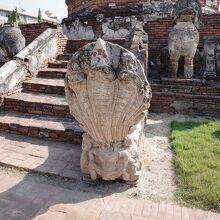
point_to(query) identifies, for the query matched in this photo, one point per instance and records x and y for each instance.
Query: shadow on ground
(30, 194)
(216, 134)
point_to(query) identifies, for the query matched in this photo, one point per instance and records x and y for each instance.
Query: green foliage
(39, 18)
(14, 17)
(197, 161)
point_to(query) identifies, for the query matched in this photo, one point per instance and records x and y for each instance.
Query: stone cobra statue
(184, 36)
(109, 95)
(11, 42)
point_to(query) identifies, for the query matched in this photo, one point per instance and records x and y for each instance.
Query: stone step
(37, 103)
(187, 82)
(58, 64)
(185, 103)
(56, 86)
(44, 127)
(45, 85)
(43, 156)
(205, 98)
(186, 89)
(64, 57)
(58, 73)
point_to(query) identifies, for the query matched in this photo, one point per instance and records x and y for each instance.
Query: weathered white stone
(11, 42)
(11, 74)
(108, 34)
(123, 32)
(184, 36)
(29, 60)
(108, 93)
(148, 11)
(183, 41)
(42, 49)
(77, 31)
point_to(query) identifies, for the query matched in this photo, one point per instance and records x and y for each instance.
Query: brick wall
(62, 41)
(77, 5)
(32, 31)
(186, 97)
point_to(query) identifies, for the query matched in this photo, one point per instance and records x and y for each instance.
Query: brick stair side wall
(32, 31)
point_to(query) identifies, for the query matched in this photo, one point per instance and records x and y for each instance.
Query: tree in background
(14, 17)
(39, 18)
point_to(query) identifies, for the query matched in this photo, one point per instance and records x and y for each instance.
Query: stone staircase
(37, 131)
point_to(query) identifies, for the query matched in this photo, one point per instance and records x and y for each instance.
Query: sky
(57, 7)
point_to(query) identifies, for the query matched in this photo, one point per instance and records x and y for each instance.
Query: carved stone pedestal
(108, 93)
(210, 56)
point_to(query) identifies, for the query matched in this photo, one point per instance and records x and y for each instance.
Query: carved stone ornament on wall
(109, 95)
(211, 57)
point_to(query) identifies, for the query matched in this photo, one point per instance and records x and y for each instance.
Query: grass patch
(197, 162)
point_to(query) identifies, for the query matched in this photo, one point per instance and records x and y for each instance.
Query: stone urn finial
(109, 95)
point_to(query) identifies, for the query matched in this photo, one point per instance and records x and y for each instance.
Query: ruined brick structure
(93, 19)
(77, 5)
(90, 19)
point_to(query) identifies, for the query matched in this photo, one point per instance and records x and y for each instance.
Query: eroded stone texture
(188, 10)
(108, 93)
(28, 61)
(211, 56)
(184, 36)
(137, 43)
(163, 61)
(11, 42)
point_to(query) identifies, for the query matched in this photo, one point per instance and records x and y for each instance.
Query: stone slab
(54, 158)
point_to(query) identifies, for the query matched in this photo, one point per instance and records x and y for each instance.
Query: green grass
(197, 162)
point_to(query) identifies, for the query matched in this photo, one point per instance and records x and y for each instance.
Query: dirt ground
(157, 183)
